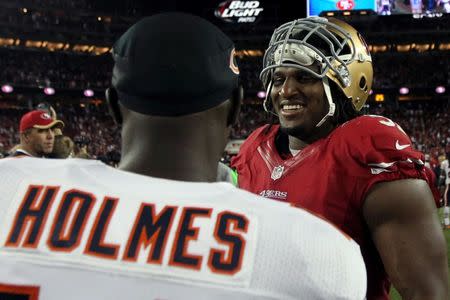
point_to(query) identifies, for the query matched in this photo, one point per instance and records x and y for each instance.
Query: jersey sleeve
(382, 151)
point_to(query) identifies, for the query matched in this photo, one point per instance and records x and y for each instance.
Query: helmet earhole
(363, 83)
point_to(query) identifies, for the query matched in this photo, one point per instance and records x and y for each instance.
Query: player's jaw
(299, 115)
(47, 147)
(293, 113)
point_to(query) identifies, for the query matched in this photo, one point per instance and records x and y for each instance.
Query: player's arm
(402, 218)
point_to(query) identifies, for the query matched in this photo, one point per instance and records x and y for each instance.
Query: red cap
(38, 119)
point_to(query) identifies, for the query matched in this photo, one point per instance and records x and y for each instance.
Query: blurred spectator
(36, 134)
(80, 149)
(64, 147)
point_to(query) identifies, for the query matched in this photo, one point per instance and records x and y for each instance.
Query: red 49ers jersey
(331, 177)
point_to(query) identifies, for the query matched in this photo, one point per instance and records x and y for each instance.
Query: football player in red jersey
(358, 171)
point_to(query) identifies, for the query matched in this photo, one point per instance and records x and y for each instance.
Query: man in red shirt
(358, 171)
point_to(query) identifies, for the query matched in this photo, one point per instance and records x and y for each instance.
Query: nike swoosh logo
(401, 147)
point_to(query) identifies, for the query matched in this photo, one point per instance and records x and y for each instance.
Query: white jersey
(446, 169)
(78, 229)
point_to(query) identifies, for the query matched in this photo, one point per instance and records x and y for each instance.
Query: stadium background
(57, 51)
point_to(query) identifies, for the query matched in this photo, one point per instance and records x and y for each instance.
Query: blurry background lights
(440, 89)
(261, 94)
(404, 90)
(49, 91)
(7, 89)
(88, 93)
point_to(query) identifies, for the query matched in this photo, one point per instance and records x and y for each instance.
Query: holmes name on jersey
(82, 226)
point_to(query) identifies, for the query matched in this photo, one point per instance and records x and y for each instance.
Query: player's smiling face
(299, 100)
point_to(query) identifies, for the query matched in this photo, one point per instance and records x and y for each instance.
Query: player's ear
(236, 101)
(113, 105)
(26, 135)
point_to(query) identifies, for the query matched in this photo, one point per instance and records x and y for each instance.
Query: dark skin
(186, 148)
(292, 86)
(401, 215)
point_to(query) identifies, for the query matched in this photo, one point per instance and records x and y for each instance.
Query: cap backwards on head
(173, 64)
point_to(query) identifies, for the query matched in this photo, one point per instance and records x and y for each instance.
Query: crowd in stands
(427, 123)
(399, 74)
(64, 70)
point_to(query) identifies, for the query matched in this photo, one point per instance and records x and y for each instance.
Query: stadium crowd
(41, 69)
(65, 70)
(428, 124)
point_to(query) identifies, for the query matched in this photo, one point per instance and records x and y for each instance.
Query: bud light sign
(236, 11)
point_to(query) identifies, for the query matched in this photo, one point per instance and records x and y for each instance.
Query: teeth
(292, 107)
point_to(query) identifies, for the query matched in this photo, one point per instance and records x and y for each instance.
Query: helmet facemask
(334, 45)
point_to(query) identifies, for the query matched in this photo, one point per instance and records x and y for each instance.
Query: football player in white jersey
(444, 179)
(78, 229)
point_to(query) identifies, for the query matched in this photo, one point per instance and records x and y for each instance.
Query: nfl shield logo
(277, 172)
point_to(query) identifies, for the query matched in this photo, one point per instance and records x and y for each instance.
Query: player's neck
(28, 150)
(186, 160)
(173, 166)
(298, 143)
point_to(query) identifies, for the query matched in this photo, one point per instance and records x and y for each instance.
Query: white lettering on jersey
(277, 195)
(79, 228)
(401, 147)
(388, 122)
(380, 167)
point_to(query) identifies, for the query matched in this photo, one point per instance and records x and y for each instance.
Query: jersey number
(18, 292)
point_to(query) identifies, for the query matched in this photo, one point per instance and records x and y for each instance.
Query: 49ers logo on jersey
(74, 223)
(272, 194)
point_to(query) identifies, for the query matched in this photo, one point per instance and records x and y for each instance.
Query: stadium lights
(444, 46)
(378, 48)
(249, 53)
(404, 48)
(379, 98)
(7, 89)
(403, 90)
(440, 89)
(261, 94)
(88, 93)
(49, 91)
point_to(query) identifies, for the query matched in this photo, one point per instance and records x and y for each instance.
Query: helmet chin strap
(266, 100)
(331, 104)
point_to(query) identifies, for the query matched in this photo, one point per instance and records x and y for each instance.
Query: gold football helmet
(339, 49)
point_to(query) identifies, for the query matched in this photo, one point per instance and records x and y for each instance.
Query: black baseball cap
(173, 64)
